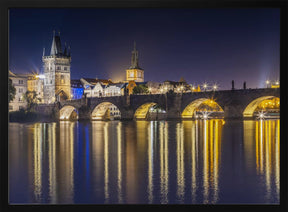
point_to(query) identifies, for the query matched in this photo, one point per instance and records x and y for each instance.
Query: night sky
(200, 45)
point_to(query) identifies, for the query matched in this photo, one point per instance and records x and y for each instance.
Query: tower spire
(56, 45)
(134, 58)
(65, 50)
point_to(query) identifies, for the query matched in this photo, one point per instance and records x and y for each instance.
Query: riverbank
(26, 116)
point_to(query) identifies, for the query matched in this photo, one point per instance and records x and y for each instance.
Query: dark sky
(201, 45)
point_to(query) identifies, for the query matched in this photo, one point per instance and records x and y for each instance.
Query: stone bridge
(234, 103)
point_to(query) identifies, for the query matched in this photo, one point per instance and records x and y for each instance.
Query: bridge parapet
(233, 102)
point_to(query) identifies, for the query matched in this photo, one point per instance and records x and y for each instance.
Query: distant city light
(261, 115)
(40, 76)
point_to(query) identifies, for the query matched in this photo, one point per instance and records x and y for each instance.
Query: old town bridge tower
(57, 72)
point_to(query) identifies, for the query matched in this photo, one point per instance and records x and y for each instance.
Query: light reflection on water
(159, 162)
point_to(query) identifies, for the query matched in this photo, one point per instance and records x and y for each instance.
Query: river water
(143, 162)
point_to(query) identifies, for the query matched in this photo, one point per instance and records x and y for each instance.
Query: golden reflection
(98, 153)
(119, 156)
(66, 161)
(216, 160)
(150, 161)
(37, 153)
(267, 152)
(106, 163)
(163, 137)
(180, 162)
(131, 163)
(277, 156)
(211, 157)
(194, 157)
(205, 163)
(52, 163)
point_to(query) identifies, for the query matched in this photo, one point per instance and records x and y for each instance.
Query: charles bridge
(235, 103)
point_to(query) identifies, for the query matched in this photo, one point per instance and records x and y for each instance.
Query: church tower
(57, 72)
(135, 73)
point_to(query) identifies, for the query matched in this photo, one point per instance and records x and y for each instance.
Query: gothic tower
(134, 72)
(57, 72)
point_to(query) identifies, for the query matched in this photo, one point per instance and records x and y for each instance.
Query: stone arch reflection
(198, 106)
(203, 139)
(267, 151)
(211, 158)
(65, 169)
(164, 165)
(42, 133)
(106, 111)
(270, 104)
(68, 113)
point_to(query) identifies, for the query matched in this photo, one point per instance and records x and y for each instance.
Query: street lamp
(215, 87)
(205, 86)
(267, 83)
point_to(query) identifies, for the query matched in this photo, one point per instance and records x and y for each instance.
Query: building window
(21, 107)
(58, 67)
(20, 90)
(21, 82)
(65, 68)
(62, 79)
(10, 107)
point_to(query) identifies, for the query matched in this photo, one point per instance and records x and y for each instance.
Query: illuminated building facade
(94, 87)
(57, 73)
(134, 72)
(35, 83)
(116, 89)
(77, 89)
(177, 87)
(20, 83)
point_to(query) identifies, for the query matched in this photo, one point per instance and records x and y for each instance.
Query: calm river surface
(158, 162)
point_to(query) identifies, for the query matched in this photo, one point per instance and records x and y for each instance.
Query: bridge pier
(127, 114)
(233, 112)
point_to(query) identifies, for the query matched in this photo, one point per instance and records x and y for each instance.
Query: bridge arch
(153, 109)
(204, 104)
(68, 112)
(105, 111)
(252, 106)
